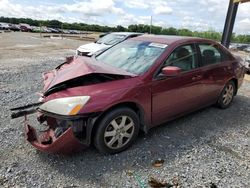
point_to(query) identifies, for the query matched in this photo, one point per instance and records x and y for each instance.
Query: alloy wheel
(119, 132)
(228, 94)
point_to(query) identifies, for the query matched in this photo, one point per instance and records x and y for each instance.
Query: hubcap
(228, 95)
(119, 132)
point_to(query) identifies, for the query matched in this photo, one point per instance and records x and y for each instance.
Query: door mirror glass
(171, 71)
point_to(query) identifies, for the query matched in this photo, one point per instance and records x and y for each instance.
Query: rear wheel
(227, 95)
(116, 131)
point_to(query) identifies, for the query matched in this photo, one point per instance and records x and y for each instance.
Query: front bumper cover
(64, 144)
(74, 131)
(75, 137)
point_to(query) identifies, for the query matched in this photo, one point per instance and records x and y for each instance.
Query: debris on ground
(213, 185)
(3, 180)
(156, 183)
(129, 172)
(139, 180)
(158, 163)
(176, 182)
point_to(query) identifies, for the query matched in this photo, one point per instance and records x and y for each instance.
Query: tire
(227, 95)
(116, 131)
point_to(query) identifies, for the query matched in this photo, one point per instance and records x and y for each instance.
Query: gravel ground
(209, 148)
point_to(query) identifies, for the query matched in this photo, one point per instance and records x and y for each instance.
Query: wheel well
(138, 110)
(236, 85)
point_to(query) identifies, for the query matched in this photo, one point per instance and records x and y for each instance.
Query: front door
(173, 96)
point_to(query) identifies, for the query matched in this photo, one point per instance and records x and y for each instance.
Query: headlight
(65, 106)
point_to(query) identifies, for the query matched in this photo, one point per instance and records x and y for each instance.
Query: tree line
(142, 28)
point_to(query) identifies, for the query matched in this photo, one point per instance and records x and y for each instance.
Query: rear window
(111, 39)
(210, 54)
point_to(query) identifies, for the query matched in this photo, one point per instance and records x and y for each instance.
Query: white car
(104, 43)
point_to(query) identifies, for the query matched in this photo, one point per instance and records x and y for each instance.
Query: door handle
(228, 68)
(197, 77)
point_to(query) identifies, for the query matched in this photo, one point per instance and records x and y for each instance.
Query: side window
(183, 57)
(210, 54)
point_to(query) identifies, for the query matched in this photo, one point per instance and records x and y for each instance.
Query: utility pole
(62, 30)
(229, 24)
(151, 21)
(40, 30)
(230, 19)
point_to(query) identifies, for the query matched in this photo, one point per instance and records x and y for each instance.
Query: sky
(199, 15)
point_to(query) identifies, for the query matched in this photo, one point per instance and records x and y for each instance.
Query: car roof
(126, 33)
(167, 39)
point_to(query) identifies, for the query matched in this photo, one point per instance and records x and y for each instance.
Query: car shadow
(168, 141)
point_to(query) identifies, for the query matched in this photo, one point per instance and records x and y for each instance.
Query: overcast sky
(191, 14)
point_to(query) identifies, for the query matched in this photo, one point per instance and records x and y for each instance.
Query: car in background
(135, 85)
(36, 29)
(248, 64)
(46, 30)
(247, 49)
(65, 31)
(242, 47)
(248, 58)
(104, 43)
(104, 34)
(25, 27)
(4, 26)
(233, 46)
(53, 30)
(14, 27)
(74, 32)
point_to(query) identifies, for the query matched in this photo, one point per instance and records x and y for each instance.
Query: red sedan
(135, 85)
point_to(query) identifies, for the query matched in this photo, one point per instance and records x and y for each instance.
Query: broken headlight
(65, 106)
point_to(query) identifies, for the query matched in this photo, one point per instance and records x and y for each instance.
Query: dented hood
(79, 67)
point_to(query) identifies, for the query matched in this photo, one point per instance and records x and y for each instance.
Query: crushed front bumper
(47, 142)
(63, 134)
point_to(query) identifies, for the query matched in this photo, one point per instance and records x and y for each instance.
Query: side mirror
(171, 71)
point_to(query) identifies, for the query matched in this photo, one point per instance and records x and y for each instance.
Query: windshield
(132, 56)
(111, 39)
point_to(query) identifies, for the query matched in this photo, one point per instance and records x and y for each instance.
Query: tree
(142, 28)
(55, 24)
(132, 28)
(185, 32)
(169, 31)
(120, 28)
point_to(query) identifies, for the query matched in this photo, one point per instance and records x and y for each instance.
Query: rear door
(173, 96)
(217, 69)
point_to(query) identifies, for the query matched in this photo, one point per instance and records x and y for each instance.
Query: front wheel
(116, 131)
(227, 95)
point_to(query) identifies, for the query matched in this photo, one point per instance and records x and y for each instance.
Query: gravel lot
(209, 148)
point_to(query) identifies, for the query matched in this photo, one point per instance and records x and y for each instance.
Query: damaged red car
(138, 84)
